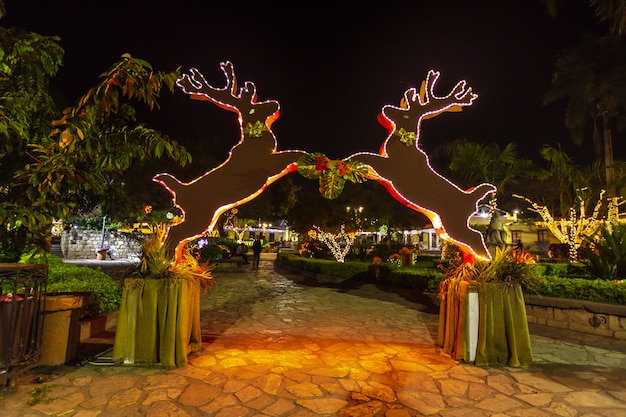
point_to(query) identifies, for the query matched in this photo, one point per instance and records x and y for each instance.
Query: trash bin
(22, 294)
(61, 327)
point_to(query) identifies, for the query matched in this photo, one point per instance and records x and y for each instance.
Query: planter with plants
(482, 311)
(104, 292)
(159, 317)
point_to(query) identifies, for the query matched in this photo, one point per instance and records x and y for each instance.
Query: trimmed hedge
(426, 278)
(106, 292)
(419, 278)
(598, 290)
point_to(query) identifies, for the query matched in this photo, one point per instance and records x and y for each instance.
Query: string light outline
(411, 95)
(196, 79)
(334, 242)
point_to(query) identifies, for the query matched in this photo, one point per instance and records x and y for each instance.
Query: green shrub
(381, 250)
(427, 279)
(106, 293)
(315, 249)
(598, 290)
(608, 260)
(416, 278)
(341, 270)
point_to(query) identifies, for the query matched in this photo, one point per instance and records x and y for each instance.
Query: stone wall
(82, 244)
(581, 316)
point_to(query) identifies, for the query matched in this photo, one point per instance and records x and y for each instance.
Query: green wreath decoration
(332, 174)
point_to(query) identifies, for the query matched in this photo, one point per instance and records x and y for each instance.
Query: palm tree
(612, 12)
(472, 163)
(592, 78)
(566, 173)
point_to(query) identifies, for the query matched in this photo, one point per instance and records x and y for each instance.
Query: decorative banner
(254, 163)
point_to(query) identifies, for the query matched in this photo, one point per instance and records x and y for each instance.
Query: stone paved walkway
(277, 344)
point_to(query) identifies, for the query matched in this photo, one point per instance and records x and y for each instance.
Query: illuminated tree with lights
(575, 228)
(339, 244)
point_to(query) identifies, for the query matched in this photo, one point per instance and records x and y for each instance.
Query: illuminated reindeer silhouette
(253, 163)
(403, 168)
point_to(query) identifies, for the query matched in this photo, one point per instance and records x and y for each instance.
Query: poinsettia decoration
(332, 174)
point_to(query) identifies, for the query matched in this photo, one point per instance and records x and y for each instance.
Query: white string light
(338, 244)
(572, 230)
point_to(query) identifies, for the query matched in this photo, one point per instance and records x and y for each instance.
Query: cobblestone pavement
(278, 344)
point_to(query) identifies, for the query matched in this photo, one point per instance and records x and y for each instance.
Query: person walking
(256, 252)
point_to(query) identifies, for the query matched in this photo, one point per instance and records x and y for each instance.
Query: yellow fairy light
(573, 229)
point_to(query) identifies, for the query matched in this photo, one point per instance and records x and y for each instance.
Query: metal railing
(22, 306)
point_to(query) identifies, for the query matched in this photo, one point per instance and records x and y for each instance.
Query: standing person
(256, 252)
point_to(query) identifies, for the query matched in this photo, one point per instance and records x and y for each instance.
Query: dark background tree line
(95, 157)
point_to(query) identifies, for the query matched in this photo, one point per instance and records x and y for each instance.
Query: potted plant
(159, 317)
(482, 311)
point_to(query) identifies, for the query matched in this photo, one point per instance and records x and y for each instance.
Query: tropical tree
(53, 162)
(272, 204)
(568, 175)
(606, 254)
(591, 76)
(611, 12)
(472, 163)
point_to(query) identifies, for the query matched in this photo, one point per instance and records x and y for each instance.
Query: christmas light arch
(254, 163)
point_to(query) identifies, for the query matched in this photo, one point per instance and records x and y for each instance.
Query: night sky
(331, 66)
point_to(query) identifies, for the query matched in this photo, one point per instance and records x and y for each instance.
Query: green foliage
(473, 163)
(415, 278)
(27, 62)
(582, 289)
(608, 262)
(315, 249)
(418, 279)
(332, 175)
(381, 250)
(300, 262)
(218, 248)
(106, 293)
(155, 259)
(211, 251)
(428, 279)
(341, 269)
(39, 395)
(54, 162)
(512, 267)
(157, 262)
